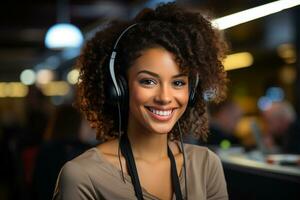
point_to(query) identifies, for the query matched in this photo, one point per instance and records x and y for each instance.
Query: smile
(161, 115)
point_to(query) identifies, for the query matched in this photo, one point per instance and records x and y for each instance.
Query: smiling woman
(140, 82)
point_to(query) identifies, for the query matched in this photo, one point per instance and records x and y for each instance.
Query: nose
(163, 96)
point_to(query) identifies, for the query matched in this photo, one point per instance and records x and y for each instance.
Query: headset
(118, 95)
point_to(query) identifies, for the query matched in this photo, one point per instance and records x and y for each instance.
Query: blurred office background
(256, 131)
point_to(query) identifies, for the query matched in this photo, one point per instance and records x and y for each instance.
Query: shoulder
(86, 160)
(74, 179)
(78, 169)
(72, 172)
(73, 183)
(200, 153)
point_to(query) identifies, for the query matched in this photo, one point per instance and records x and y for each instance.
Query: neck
(147, 146)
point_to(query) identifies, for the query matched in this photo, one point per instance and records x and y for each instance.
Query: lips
(160, 114)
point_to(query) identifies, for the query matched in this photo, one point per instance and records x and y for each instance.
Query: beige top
(90, 176)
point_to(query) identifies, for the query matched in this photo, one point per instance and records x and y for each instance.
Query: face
(158, 92)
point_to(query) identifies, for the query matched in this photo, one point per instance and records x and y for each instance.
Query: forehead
(157, 60)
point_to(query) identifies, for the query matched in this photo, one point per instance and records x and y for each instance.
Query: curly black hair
(197, 47)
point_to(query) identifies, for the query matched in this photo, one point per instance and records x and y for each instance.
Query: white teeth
(160, 112)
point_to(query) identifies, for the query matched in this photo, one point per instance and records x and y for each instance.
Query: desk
(249, 179)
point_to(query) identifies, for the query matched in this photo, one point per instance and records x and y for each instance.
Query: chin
(160, 129)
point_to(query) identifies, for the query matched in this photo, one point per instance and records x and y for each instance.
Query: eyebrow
(157, 76)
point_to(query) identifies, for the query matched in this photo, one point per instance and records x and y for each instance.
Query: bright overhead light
(3, 90)
(253, 13)
(55, 88)
(17, 89)
(44, 76)
(63, 35)
(72, 76)
(238, 60)
(13, 89)
(28, 77)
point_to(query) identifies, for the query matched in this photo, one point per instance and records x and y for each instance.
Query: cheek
(137, 96)
(183, 97)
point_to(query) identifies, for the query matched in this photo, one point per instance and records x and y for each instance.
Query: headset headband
(112, 61)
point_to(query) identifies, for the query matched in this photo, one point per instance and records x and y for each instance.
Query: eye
(179, 83)
(147, 82)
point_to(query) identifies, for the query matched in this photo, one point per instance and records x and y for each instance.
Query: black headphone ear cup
(112, 94)
(122, 83)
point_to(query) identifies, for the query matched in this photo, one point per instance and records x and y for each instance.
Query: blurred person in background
(282, 128)
(19, 142)
(63, 142)
(11, 168)
(37, 109)
(223, 121)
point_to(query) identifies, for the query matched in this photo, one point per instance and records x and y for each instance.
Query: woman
(141, 82)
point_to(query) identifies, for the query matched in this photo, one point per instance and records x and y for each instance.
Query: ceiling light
(13, 89)
(253, 13)
(63, 35)
(44, 76)
(72, 76)
(56, 88)
(238, 60)
(28, 77)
